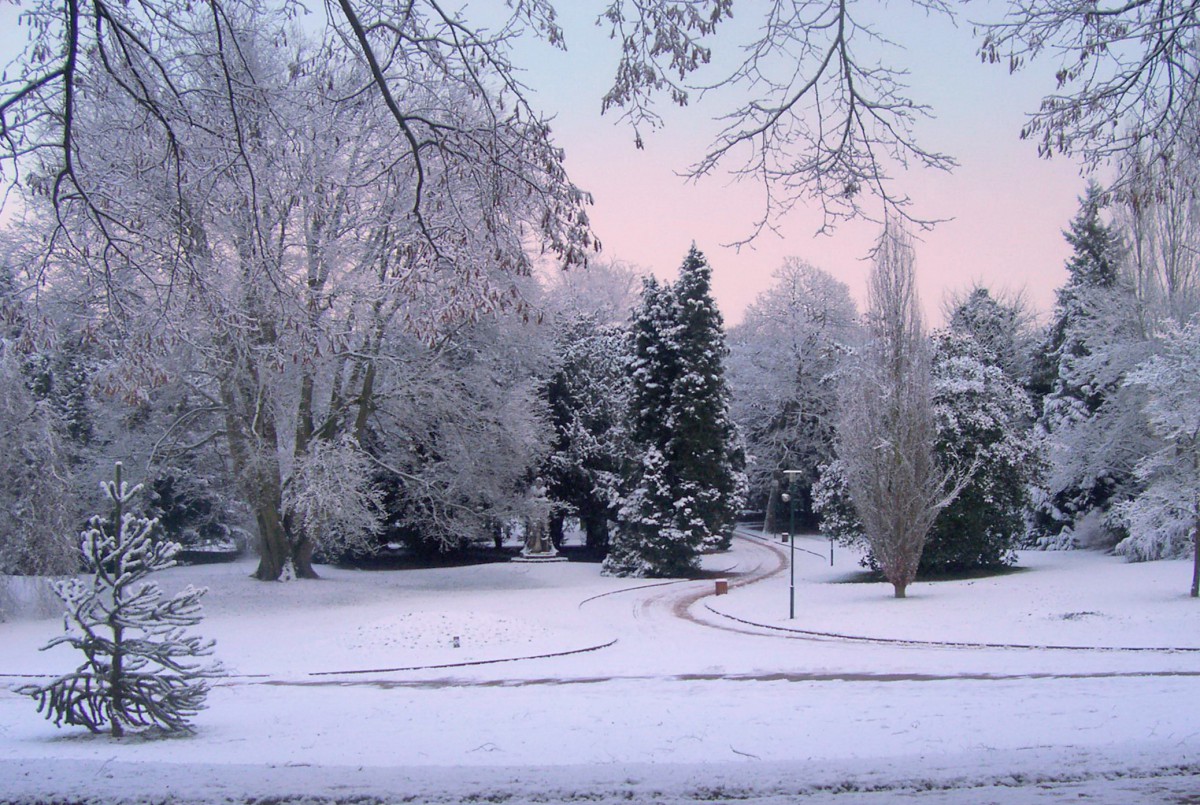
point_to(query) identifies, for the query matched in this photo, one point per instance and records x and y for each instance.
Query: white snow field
(570, 687)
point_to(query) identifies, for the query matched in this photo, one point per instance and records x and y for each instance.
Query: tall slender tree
(648, 540)
(1088, 416)
(704, 450)
(887, 428)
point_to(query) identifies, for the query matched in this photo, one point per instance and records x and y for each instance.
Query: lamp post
(790, 498)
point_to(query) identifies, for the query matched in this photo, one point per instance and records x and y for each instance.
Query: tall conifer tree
(1077, 379)
(704, 450)
(687, 482)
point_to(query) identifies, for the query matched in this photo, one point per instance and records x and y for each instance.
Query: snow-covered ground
(566, 686)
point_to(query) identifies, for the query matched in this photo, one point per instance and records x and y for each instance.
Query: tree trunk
(273, 549)
(901, 589)
(556, 529)
(1196, 559)
(302, 559)
(596, 527)
(770, 526)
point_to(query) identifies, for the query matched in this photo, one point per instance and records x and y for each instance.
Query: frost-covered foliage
(193, 511)
(1090, 420)
(38, 507)
(287, 245)
(1003, 328)
(36, 502)
(140, 668)
(459, 433)
(332, 498)
(688, 482)
(782, 373)
(984, 420)
(1164, 518)
(588, 398)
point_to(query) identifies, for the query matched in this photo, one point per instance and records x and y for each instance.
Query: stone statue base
(539, 556)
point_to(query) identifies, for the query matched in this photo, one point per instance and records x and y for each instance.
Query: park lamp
(789, 497)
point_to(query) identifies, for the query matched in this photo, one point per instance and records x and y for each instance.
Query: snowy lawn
(686, 704)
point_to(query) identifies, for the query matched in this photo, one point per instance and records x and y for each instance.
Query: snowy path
(685, 706)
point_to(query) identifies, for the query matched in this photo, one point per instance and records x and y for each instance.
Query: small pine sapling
(140, 669)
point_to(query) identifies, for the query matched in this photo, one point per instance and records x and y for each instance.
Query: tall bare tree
(887, 429)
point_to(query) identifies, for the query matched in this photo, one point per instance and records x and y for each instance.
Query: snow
(686, 705)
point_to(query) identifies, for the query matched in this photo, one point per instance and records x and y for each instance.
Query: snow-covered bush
(1162, 516)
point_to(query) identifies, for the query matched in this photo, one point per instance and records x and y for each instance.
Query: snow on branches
(140, 668)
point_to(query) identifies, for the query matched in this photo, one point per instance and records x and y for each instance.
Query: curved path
(800, 634)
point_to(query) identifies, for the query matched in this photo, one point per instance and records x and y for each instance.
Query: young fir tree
(688, 480)
(140, 669)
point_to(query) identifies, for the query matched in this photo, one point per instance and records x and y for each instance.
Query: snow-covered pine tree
(586, 395)
(140, 669)
(704, 451)
(688, 478)
(1093, 265)
(1001, 328)
(648, 541)
(1091, 430)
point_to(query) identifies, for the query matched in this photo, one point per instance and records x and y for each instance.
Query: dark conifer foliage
(687, 483)
(704, 450)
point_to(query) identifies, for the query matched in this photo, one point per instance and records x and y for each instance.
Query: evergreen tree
(688, 478)
(984, 418)
(704, 450)
(997, 327)
(140, 669)
(586, 396)
(1093, 265)
(648, 541)
(1080, 370)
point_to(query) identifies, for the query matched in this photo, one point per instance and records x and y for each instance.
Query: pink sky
(1008, 206)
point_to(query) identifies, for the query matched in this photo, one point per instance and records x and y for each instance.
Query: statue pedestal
(539, 556)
